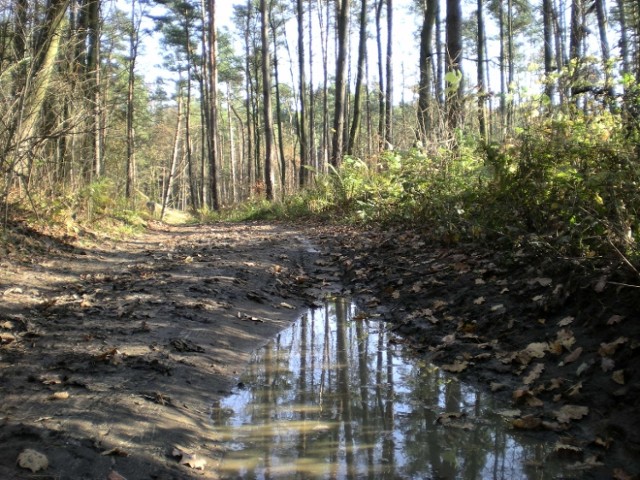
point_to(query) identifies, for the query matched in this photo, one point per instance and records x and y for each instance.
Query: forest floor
(112, 352)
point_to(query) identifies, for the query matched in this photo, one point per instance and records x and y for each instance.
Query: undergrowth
(566, 186)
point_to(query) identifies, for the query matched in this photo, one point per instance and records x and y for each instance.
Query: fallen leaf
(395, 294)
(528, 422)
(573, 356)
(6, 337)
(116, 452)
(498, 307)
(574, 390)
(615, 319)
(542, 281)
(567, 450)
(33, 460)
(509, 413)
(286, 305)
(553, 426)
(601, 284)
(566, 321)
(609, 349)
(537, 350)
(480, 281)
(571, 412)
(620, 474)
(456, 367)
(59, 396)
(618, 377)
(534, 374)
(479, 301)
(607, 364)
(189, 459)
(113, 475)
(449, 339)
(566, 338)
(584, 366)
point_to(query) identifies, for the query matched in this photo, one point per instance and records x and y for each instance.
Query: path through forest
(113, 351)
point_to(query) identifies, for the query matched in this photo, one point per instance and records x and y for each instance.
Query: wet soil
(113, 352)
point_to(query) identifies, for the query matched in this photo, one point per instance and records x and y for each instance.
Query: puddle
(336, 396)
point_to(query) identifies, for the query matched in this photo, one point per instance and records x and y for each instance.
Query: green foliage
(565, 184)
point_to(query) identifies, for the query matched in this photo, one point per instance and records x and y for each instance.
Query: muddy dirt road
(112, 353)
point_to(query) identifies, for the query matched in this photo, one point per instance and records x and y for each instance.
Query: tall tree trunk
(454, 63)
(302, 85)
(388, 114)
(265, 12)
(547, 20)
(381, 96)
(511, 65)
(601, 13)
(482, 114)
(174, 159)
(248, 102)
(212, 82)
(312, 159)
(283, 160)
(342, 12)
(133, 54)
(575, 42)
(624, 41)
(324, 36)
(357, 100)
(425, 93)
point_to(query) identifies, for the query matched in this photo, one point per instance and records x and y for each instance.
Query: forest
(180, 179)
(519, 118)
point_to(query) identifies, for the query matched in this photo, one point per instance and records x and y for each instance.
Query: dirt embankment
(112, 355)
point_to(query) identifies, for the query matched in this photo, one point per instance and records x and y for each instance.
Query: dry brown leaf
(528, 422)
(609, 349)
(498, 307)
(571, 412)
(495, 386)
(6, 337)
(555, 383)
(607, 364)
(566, 338)
(534, 374)
(456, 367)
(479, 301)
(396, 294)
(620, 474)
(618, 377)
(615, 319)
(116, 452)
(573, 356)
(33, 460)
(509, 413)
(566, 321)
(567, 450)
(449, 339)
(537, 349)
(113, 475)
(59, 396)
(574, 390)
(601, 284)
(553, 426)
(189, 459)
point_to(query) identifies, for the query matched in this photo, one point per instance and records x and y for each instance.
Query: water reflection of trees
(333, 398)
